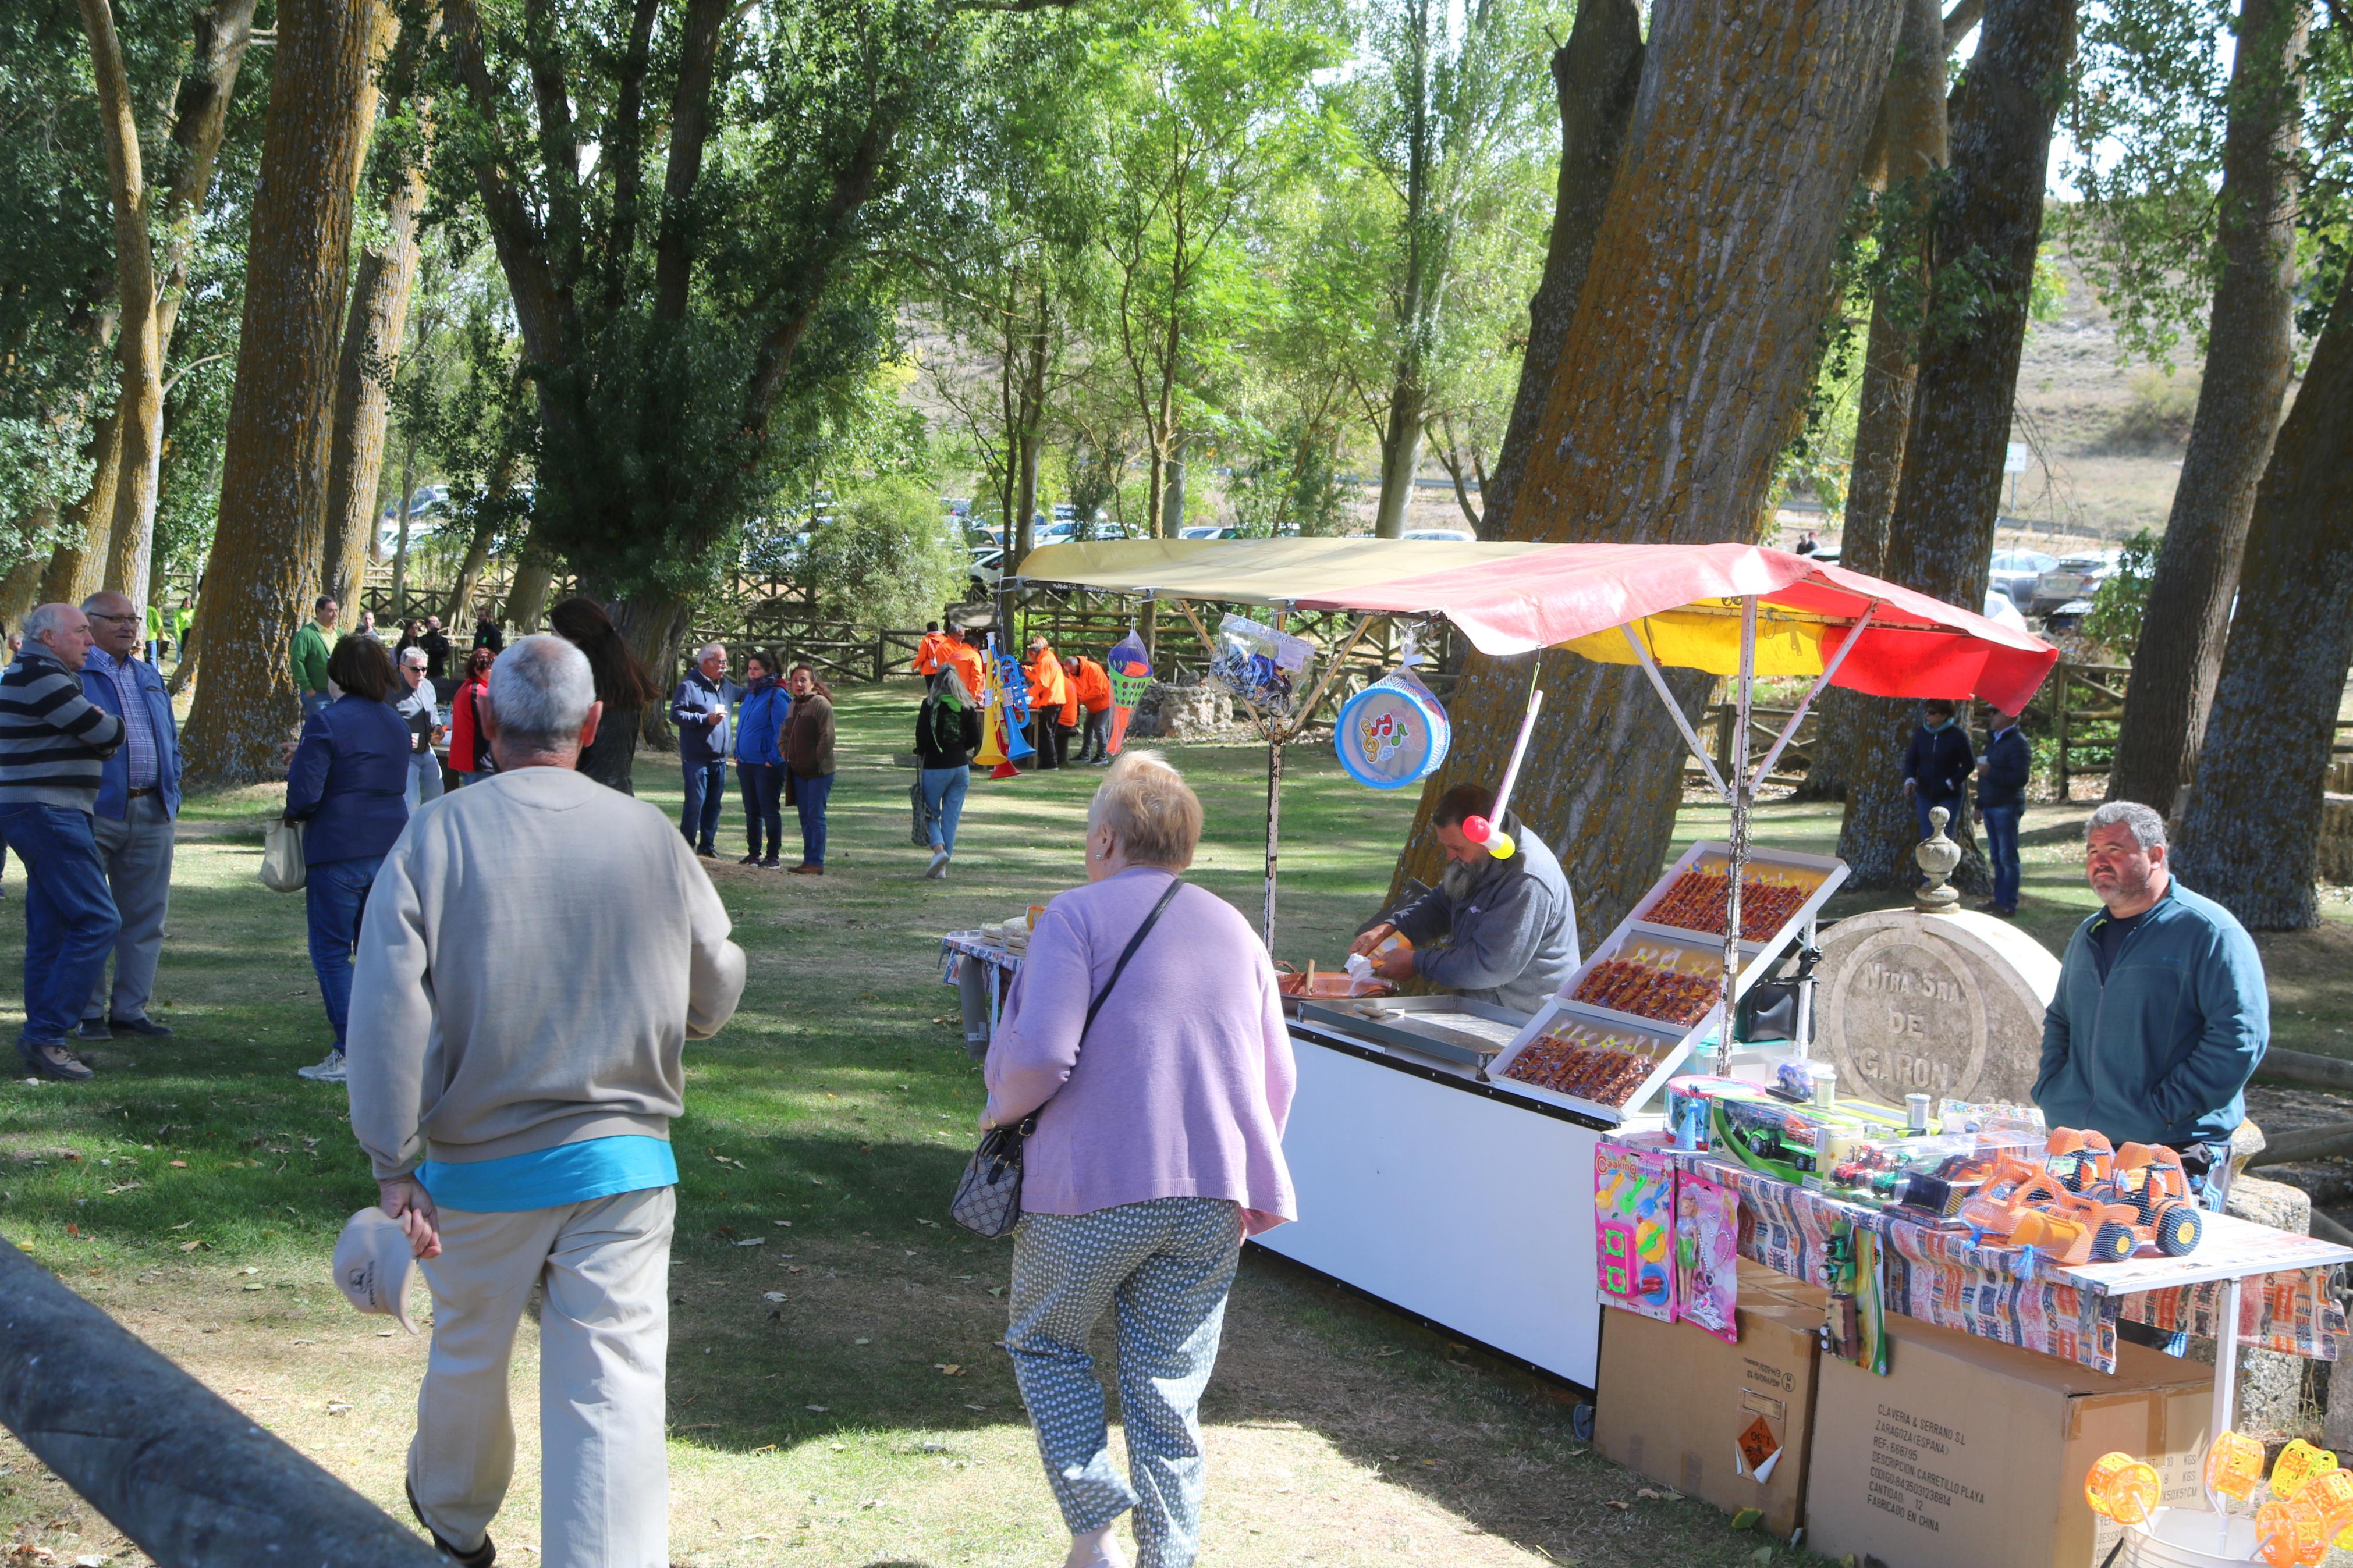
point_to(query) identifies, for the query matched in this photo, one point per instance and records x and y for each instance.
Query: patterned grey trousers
(1163, 1267)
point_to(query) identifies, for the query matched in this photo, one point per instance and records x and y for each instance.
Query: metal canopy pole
(1674, 709)
(1790, 730)
(1738, 859)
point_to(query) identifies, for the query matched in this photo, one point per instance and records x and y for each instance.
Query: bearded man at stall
(1502, 931)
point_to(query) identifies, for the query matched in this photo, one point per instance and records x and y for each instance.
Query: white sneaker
(1096, 1549)
(939, 865)
(328, 1071)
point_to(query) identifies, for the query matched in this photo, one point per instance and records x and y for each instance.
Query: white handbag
(282, 868)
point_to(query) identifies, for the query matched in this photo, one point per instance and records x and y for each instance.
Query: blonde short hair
(1151, 812)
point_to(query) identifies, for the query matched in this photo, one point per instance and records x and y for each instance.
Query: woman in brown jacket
(808, 758)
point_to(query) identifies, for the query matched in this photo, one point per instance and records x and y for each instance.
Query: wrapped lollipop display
(1588, 1061)
(1770, 897)
(1661, 982)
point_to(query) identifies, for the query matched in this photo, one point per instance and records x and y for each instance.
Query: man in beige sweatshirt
(537, 952)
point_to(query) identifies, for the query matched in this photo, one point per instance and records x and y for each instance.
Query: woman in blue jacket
(760, 759)
(348, 781)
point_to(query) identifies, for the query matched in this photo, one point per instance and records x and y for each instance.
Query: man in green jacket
(312, 643)
(2162, 1014)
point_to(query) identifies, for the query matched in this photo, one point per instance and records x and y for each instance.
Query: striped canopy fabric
(1682, 601)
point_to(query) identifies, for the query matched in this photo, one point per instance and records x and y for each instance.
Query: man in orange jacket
(934, 652)
(1090, 688)
(1049, 689)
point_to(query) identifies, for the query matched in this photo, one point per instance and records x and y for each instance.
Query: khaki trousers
(604, 1340)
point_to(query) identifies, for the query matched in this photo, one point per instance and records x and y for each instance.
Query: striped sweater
(53, 740)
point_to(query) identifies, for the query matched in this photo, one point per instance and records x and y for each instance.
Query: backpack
(946, 733)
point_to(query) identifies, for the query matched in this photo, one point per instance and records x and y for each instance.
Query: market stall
(1407, 1142)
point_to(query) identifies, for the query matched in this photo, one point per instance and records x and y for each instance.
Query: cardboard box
(1970, 1453)
(1677, 1405)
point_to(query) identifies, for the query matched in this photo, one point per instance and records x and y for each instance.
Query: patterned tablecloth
(2014, 1295)
(981, 970)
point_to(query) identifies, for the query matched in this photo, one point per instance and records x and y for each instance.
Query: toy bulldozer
(2091, 1203)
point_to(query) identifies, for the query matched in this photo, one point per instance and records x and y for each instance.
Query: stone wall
(1184, 712)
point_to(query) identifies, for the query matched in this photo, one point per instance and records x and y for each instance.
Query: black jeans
(1043, 734)
(1097, 743)
(764, 797)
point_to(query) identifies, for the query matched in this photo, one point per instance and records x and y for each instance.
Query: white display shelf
(1758, 958)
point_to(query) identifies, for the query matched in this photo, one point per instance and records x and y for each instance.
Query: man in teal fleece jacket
(2160, 1016)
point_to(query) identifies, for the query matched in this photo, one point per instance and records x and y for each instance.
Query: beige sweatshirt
(537, 952)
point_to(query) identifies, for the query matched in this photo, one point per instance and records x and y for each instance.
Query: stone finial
(1938, 857)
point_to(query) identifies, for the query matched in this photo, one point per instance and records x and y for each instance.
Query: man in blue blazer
(138, 801)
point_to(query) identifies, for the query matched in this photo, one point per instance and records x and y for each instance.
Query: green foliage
(887, 559)
(2123, 596)
(2156, 417)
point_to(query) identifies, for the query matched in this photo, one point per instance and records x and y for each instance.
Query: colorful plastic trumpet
(2122, 1488)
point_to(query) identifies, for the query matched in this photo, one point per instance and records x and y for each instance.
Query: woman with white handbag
(347, 785)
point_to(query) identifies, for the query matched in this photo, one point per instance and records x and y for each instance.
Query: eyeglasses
(127, 620)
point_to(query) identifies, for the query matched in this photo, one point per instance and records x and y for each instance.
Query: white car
(1449, 535)
(1205, 530)
(2000, 608)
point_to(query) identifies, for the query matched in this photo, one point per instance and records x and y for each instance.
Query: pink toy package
(1707, 1263)
(1634, 1229)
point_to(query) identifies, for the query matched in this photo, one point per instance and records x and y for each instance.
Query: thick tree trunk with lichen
(21, 589)
(76, 567)
(2252, 342)
(1678, 386)
(370, 360)
(1911, 146)
(2250, 834)
(274, 469)
(1595, 75)
(1988, 222)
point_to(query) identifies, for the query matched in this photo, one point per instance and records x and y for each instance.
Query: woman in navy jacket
(760, 758)
(348, 781)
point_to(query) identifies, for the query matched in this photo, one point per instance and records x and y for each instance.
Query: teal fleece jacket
(2161, 1052)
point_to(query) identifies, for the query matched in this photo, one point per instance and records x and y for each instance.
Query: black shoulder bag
(987, 1199)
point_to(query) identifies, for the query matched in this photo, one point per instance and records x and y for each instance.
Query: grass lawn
(837, 1394)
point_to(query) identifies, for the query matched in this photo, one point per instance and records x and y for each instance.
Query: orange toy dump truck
(2090, 1203)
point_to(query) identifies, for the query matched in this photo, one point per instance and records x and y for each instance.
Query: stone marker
(1948, 1004)
(1182, 713)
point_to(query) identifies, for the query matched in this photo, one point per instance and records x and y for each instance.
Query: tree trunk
(274, 468)
(1912, 147)
(1595, 74)
(139, 406)
(2250, 834)
(371, 360)
(2250, 338)
(1982, 259)
(199, 124)
(1681, 380)
(527, 596)
(1400, 453)
(655, 622)
(21, 589)
(459, 611)
(76, 567)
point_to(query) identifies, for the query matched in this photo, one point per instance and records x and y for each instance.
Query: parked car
(2075, 577)
(2014, 572)
(1206, 531)
(1452, 535)
(1999, 608)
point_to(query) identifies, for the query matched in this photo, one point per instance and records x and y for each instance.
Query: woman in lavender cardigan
(1159, 1147)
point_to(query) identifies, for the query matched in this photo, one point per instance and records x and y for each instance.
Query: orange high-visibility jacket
(971, 664)
(1047, 683)
(1093, 685)
(932, 654)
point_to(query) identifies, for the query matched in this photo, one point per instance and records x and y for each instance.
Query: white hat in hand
(373, 1262)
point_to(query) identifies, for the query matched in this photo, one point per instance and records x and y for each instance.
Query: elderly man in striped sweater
(54, 742)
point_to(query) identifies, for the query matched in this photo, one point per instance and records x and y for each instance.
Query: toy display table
(2015, 1295)
(981, 970)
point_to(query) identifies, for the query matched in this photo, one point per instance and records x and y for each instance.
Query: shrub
(887, 559)
(2156, 414)
(2122, 595)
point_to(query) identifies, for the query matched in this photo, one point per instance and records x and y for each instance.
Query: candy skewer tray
(1449, 1028)
(1682, 989)
(1795, 887)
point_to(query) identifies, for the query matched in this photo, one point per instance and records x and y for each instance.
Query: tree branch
(628, 152)
(540, 306)
(1959, 20)
(690, 131)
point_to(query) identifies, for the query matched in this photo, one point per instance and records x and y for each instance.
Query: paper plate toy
(1393, 732)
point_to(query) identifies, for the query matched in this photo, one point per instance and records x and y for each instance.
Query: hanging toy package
(1257, 662)
(1393, 732)
(1130, 669)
